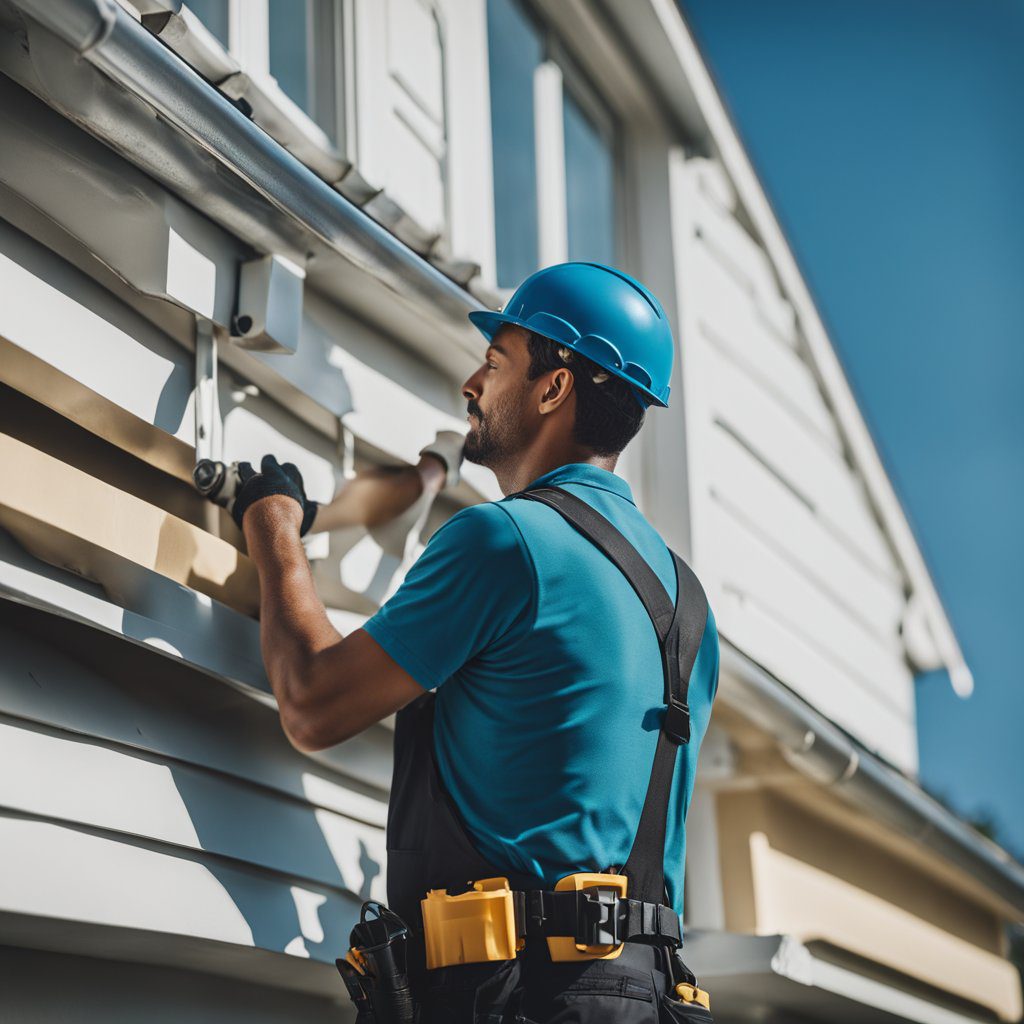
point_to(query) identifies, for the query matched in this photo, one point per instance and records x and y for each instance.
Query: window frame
(558, 63)
(249, 43)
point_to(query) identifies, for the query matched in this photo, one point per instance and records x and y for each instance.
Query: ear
(556, 392)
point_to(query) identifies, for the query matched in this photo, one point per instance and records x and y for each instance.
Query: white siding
(403, 131)
(797, 566)
(146, 788)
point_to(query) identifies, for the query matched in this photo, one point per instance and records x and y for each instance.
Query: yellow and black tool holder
(375, 970)
(688, 1003)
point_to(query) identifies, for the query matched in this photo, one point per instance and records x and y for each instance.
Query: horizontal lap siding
(799, 571)
(94, 991)
(140, 793)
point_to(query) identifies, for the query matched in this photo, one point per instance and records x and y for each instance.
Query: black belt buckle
(597, 917)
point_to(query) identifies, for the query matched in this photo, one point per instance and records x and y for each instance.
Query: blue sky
(890, 139)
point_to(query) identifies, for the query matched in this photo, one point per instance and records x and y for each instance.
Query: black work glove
(239, 486)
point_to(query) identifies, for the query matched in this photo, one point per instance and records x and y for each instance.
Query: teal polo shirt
(548, 678)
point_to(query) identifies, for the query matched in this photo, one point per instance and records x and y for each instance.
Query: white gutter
(781, 973)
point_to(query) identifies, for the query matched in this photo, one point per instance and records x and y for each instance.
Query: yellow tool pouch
(474, 927)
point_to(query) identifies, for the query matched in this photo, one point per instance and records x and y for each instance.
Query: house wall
(793, 873)
(160, 822)
(784, 537)
(151, 808)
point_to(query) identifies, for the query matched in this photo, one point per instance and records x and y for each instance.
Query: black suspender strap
(679, 627)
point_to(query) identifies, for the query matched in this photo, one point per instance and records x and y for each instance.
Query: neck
(518, 471)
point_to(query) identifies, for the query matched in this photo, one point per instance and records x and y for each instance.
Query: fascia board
(656, 23)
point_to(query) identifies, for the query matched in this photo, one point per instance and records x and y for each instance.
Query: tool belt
(586, 917)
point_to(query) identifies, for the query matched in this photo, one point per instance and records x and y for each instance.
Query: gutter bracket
(209, 432)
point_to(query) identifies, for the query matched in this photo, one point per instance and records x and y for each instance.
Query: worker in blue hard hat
(553, 666)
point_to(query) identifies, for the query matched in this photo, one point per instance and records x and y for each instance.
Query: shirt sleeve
(472, 582)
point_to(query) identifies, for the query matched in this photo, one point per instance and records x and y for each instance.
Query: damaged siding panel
(69, 518)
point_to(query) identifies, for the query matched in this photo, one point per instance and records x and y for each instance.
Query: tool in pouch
(375, 971)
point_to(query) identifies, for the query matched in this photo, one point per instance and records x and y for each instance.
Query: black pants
(532, 990)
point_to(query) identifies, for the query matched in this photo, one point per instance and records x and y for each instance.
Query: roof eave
(657, 30)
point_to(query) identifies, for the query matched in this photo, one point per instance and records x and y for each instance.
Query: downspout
(824, 753)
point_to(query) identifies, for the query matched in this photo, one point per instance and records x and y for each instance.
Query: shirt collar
(587, 475)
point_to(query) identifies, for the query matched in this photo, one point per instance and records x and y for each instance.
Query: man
(544, 646)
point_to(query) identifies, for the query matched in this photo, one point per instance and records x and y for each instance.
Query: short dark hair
(608, 412)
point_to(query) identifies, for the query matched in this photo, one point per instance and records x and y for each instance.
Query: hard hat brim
(488, 323)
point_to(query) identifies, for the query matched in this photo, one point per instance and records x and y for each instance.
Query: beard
(495, 437)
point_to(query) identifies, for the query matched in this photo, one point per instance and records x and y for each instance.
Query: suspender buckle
(677, 721)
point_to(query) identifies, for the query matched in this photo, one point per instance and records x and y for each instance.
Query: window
(589, 186)
(515, 52)
(288, 45)
(214, 15)
(553, 149)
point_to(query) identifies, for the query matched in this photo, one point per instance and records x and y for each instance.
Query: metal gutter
(823, 752)
(103, 34)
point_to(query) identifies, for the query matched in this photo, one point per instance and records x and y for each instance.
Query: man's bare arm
(373, 497)
(377, 496)
(328, 687)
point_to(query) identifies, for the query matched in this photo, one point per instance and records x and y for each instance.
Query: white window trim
(549, 135)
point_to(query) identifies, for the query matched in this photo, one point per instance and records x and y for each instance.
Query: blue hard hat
(599, 312)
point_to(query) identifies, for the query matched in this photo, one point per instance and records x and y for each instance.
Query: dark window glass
(589, 187)
(214, 15)
(291, 57)
(515, 49)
